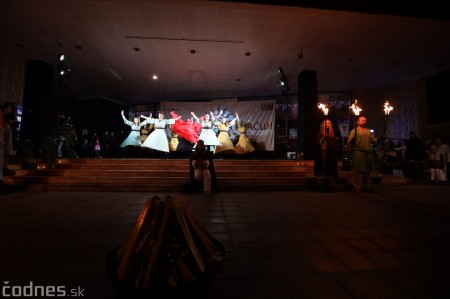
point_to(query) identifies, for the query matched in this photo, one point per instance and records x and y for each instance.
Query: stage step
(125, 175)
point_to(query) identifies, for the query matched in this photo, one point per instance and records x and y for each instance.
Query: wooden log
(205, 240)
(172, 281)
(184, 271)
(160, 243)
(187, 234)
(129, 247)
(146, 244)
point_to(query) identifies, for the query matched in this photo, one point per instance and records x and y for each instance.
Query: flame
(387, 108)
(324, 108)
(355, 108)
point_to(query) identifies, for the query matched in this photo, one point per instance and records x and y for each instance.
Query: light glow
(355, 108)
(324, 108)
(387, 108)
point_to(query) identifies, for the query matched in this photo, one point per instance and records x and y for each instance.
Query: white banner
(260, 114)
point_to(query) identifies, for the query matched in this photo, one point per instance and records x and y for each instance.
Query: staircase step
(128, 175)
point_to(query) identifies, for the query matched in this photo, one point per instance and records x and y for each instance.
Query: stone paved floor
(394, 243)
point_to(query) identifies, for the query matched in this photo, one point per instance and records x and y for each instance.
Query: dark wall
(96, 115)
(438, 98)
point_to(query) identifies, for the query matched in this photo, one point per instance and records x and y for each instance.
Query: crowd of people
(419, 161)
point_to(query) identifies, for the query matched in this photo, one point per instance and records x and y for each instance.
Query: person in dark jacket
(325, 160)
(415, 156)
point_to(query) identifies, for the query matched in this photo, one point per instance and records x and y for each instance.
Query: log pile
(166, 248)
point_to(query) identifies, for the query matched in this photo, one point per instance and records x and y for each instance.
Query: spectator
(443, 148)
(6, 148)
(436, 163)
(202, 167)
(415, 152)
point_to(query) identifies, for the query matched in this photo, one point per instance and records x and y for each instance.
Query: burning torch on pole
(387, 109)
(354, 107)
(324, 109)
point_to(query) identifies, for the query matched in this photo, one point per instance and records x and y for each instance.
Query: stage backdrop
(260, 114)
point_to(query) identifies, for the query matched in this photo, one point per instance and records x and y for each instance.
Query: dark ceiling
(225, 49)
(422, 9)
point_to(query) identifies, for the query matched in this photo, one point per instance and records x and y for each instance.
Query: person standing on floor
(6, 147)
(444, 149)
(436, 164)
(97, 148)
(415, 155)
(325, 160)
(362, 139)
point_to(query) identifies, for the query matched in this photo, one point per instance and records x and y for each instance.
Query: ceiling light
(283, 79)
(63, 69)
(61, 57)
(155, 77)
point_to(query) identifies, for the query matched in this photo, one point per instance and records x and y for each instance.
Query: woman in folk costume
(244, 144)
(187, 133)
(134, 138)
(207, 134)
(157, 140)
(145, 131)
(224, 137)
(173, 144)
(325, 158)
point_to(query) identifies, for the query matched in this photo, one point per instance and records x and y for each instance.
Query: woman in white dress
(207, 134)
(134, 138)
(158, 140)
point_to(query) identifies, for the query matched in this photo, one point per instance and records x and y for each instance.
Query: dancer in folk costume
(145, 131)
(134, 138)
(244, 144)
(207, 134)
(224, 137)
(173, 144)
(187, 131)
(157, 140)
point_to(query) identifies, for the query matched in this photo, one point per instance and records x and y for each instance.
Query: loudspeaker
(38, 114)
(309, 117)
